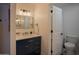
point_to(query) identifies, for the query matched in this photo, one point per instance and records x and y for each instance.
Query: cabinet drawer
(27, 50)
(32, 41)
(22, 42)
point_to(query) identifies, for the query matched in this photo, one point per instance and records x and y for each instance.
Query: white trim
(12, 29)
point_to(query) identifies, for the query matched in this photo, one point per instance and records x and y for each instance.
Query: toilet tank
(72, 38)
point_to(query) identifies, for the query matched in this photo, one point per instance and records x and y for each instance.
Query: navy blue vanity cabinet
(30, 46)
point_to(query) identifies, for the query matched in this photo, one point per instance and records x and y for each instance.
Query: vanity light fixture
(24, 12)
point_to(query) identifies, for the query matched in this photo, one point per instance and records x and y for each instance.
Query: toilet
(70, 44)
(69, 48)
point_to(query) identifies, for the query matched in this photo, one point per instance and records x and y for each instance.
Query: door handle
(61, 33)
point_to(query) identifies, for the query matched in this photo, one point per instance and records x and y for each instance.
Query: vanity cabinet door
(31, 46)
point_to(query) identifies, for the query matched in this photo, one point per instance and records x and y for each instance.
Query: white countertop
(20, 37)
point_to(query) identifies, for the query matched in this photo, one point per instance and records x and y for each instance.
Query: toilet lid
(68, 44)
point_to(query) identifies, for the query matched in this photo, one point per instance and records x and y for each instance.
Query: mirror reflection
(24, 20)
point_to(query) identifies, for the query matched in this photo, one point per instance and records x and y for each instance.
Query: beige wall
(42, 18)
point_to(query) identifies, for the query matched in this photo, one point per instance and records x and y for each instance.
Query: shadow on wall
(4, 13)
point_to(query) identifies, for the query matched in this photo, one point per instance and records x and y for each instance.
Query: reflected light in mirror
(20, 12)
(28, 13)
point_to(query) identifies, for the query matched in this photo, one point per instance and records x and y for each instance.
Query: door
(57, 27)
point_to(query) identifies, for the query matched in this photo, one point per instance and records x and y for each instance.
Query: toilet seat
(68, 44)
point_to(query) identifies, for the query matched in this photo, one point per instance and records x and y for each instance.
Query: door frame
(12, 29)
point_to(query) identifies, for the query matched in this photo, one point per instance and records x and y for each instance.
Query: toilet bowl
(69, 48)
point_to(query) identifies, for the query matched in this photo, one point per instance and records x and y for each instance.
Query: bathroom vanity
(28, 42)
(28, 45)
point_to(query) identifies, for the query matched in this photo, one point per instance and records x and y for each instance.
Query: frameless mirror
(24, 21)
